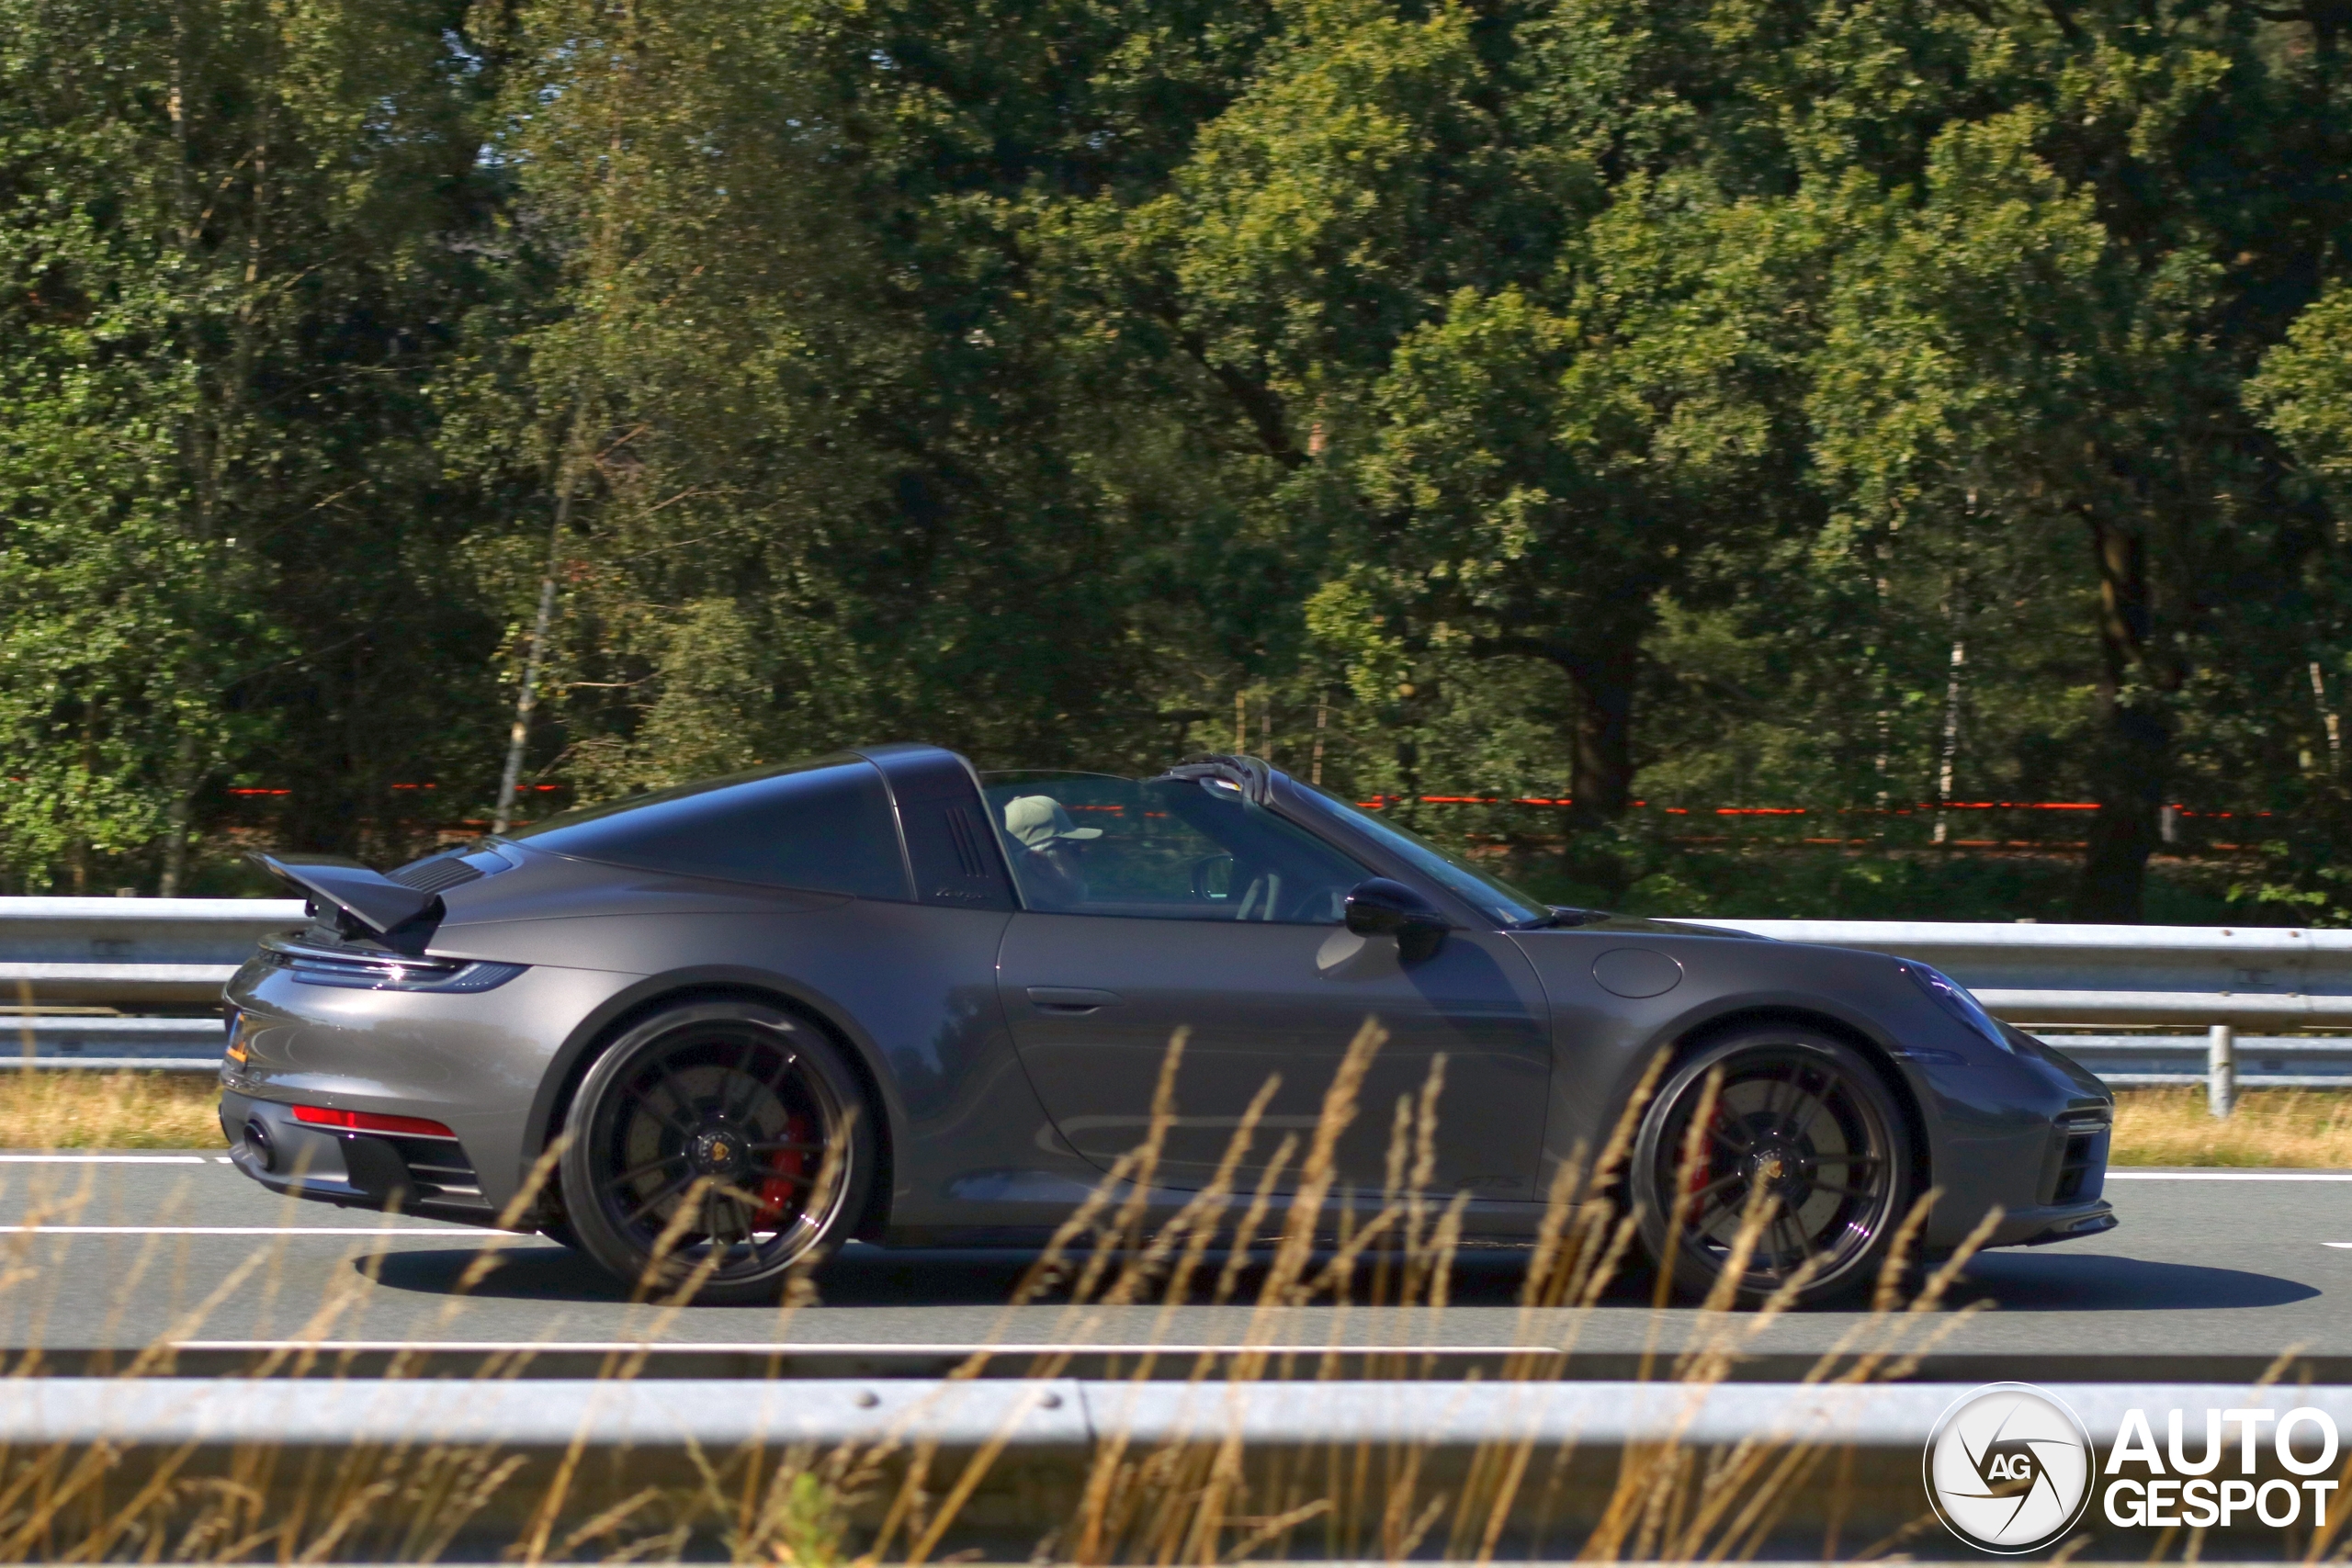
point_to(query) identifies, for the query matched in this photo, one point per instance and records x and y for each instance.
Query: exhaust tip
(257, 1144)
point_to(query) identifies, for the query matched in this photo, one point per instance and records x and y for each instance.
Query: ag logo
(2009, 1468)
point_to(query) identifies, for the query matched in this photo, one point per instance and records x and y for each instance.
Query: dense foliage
(1859, 406)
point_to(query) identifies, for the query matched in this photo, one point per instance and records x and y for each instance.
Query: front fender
(1983, 1114)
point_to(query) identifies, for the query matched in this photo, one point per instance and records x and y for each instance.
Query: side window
(824, 826)
(1171, 850)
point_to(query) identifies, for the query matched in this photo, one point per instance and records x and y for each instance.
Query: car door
(1194, 910)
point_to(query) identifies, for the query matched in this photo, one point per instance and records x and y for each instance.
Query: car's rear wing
(359, 897)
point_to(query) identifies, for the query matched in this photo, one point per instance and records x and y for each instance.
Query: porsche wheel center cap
(717, 1153)
(1781, 1168)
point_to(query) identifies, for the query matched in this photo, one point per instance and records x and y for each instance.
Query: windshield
(1492, 896)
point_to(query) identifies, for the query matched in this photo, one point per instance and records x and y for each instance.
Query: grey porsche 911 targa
(882, 996)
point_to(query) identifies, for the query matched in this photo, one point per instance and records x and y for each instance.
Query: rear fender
(552, 1102)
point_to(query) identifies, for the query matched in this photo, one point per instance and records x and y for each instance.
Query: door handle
(1070, 999)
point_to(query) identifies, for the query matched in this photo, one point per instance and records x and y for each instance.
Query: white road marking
(2229, 1175)
(452, 1235)
(2337, 1244)
(102, 1159)
(820, 1348)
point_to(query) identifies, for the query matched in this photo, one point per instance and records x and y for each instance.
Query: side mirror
(1378, 907)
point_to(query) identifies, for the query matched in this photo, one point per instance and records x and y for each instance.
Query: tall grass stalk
(1269, 1234)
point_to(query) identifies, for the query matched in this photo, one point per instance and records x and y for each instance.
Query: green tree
(2042, 325)
(848, 468)
(1505, 352)
(224, 263)
(2305, 391)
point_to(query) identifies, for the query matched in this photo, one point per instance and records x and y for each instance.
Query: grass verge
(82, 1110)
(1205, 1494)
(2310, 1129)
(2306, 1129)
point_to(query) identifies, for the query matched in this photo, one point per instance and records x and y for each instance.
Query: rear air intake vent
(433, 874)
(966, 833)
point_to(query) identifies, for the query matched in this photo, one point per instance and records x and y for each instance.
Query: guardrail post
(2222, 1070)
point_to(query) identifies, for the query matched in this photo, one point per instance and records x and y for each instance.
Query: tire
(730, 1106)
(1813, 1117)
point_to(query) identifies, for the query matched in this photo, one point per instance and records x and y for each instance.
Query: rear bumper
(474, 1063)
(431, 1178)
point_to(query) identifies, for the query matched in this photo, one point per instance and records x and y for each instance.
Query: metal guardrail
(2224, 979)
(1842, 1461)
(103, 1036)
(2245, 976)
(1069, 1414)
(155, 953)
(119, 1063)
(134, 951)
(2262, 1061)
(1832, 1463)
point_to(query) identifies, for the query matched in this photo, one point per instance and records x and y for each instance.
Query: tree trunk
(2132, 750)
(1600, 726)
(2127, 780)
(178, 816)
(1602, 783)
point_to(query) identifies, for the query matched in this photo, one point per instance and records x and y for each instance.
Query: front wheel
(716, 1144)
(1810, 1120)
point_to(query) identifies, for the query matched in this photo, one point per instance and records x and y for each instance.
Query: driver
(1050, 872)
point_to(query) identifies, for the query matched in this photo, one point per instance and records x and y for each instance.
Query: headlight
(1953, 997)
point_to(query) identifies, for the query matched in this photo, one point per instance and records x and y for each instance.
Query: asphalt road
(2211, 1273)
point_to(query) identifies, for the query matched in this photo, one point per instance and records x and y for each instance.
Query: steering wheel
(1203, 873)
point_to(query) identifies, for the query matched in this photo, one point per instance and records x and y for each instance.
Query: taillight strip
(369, 1121)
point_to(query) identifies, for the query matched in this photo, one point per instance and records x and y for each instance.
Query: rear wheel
(1808, 1119)
(722, 1142)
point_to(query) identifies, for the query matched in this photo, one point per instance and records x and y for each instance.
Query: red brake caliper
(776, 1192)
(1703, 1171)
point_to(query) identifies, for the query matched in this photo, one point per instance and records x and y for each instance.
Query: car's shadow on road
(868, 1276)
(862, 1276)
(877, 1277)
(2079, 1281)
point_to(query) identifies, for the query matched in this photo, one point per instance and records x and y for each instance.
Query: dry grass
(2308, 1129)
(1202, 1498)
(108, 1111)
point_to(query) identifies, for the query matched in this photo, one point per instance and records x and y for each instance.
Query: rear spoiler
(360, 898)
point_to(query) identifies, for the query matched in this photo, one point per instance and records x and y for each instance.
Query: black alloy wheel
(709, 1123)
(1811, 1120)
